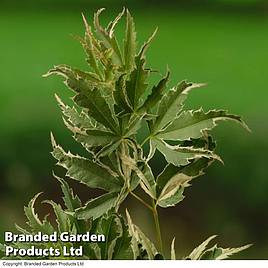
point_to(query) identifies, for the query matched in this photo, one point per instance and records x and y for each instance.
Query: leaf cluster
(113, 104)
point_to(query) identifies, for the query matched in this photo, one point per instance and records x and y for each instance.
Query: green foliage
(213, 253)
(113, 100)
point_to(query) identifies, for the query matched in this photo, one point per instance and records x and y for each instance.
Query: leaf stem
(157, 227)
(141, 200)
(156, 219)
(145, 141)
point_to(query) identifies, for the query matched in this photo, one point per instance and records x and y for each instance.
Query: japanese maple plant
(114, 107)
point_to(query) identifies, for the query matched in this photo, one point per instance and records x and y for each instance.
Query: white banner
(133, 264)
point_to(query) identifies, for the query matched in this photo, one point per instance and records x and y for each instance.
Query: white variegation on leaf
(129, 42)
(198, 251)
(79, 120)
(71, 200)
(34, 222)
(181, 155)
(146, 176)
(213, 253)
(85, 171)
(138, 237)
(192, 124)
(97, 207)
(172, 251)
(107, 36)
(117, 244)
(171, 193)
(216, 253)
(171, 104)
(92, 138)
(62, 218)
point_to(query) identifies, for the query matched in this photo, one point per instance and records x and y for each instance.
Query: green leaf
(192, 124)
(134, 181)
(108, 149)
(92, 48)
(172, 181)
(122, 249)
(213, 253)
(148, 183)
(113, 162)
(145, 174)
(112, 24)
(156, 94)
(129, 43)
(120, 95)
(171, 104)
(111, 227)
(109, 69)
(131, 123)
(170, 198)
(76, 119)
(89, 97)
(134, 236)
(146, 45)
(74, 76)
(93, 138)
(195, 168)
(216, 253)
(170, 186)
(107, 36)
(34, 222)
(71, 201)
(85, 171)
(72, 79)
(198, 251)
(181, 174)
(62, 218)
(98, 108)
(179, 155)
(96, 207)
(21, 230)
(152, 149)
(136, 85)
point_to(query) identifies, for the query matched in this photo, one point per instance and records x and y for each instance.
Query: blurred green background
(223, 43)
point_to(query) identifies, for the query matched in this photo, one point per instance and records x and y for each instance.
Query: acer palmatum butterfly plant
(113, 103)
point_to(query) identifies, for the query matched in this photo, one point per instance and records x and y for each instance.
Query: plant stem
(157, 227)
(141, 200)
(156, 220)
